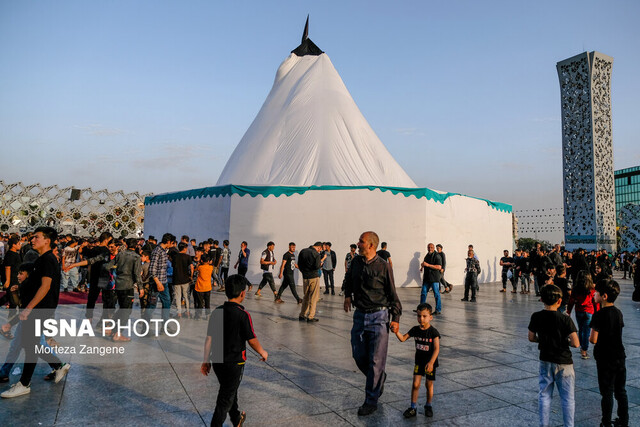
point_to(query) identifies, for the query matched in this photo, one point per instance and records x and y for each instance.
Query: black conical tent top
(307, 47)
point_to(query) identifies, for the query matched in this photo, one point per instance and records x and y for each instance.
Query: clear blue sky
(153, 96)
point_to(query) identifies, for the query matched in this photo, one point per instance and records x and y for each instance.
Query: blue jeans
(564, 377)
(165, 300)
(584, 328)
(436, 291)
(70, 278)
(14, 351)
(369, 342)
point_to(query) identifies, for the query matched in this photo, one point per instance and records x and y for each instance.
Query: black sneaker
(302, 318)
(473, 300)
(464, 299)
(315, 319)
(410, 413)
(428, 411)
(333, 292)
(436, 312)
(326, 292)
(366, 409)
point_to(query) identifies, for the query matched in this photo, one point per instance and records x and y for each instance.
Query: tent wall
(408, 224)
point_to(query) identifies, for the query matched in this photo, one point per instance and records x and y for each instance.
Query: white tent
(311, 168)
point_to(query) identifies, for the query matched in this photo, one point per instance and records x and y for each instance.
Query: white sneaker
(61, 372)
(16, 390)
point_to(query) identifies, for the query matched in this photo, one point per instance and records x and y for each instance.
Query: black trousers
(504, 281)
(242, 270)
(267, 278)
(125, 302)
(108, 300)
(28, 341)
(328, 277)
(470, 283)
(204, 301)
(287, 281)
(229, 376)
(224, 273)
(612, 377)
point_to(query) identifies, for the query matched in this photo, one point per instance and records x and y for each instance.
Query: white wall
(407, 224)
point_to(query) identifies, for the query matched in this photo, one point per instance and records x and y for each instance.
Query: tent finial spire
(305, 34)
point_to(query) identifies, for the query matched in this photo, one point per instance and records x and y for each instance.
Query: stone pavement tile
(151, 419)
(526, 350)
(87, 404)
(527, 365)
(586, 381)
(37, 408)
(501, 357)
(322, 420)
(451, 405)
(633, 369)
(514, 391)
(486, 376)
(464, 363)
(344, 398)
(386, 415)
(320, 383)
(502, 417)
(265, 401)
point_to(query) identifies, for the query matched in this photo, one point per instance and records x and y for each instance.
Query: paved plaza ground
(487, 374)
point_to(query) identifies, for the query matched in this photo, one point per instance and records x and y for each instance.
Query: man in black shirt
(432, 265)
(96, 258)
(182, 274)
(384, 253)
(507, 263)
(370, 288)
(39, 296)
(606, 334)
(286, 274)
(309, 263)
(230, 328)
(445, 285)
(12, 261)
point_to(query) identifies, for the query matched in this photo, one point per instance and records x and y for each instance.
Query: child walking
(554, 332)
(606, 334)
(582, 297)
(427, 339)
(230, 328)
(203, 287)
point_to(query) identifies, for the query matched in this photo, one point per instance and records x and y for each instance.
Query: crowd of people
(39, 266)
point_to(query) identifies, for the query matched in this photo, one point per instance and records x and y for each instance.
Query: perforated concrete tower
(587, 151)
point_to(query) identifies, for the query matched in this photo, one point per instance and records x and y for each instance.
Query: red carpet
(75, 298)
(71, 298)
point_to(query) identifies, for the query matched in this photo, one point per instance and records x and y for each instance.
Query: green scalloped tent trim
(277, 191)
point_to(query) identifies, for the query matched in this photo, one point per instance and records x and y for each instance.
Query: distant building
(587, 151)
(540, 224)
(627, 187)
(627, 183)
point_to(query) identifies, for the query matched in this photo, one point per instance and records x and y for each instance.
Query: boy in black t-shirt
(606, 334)
(427, 341)
(230, 328)
(554, 332)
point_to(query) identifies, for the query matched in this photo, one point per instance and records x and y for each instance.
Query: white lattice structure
(25, 207)
(630, 227)
(587, 151)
